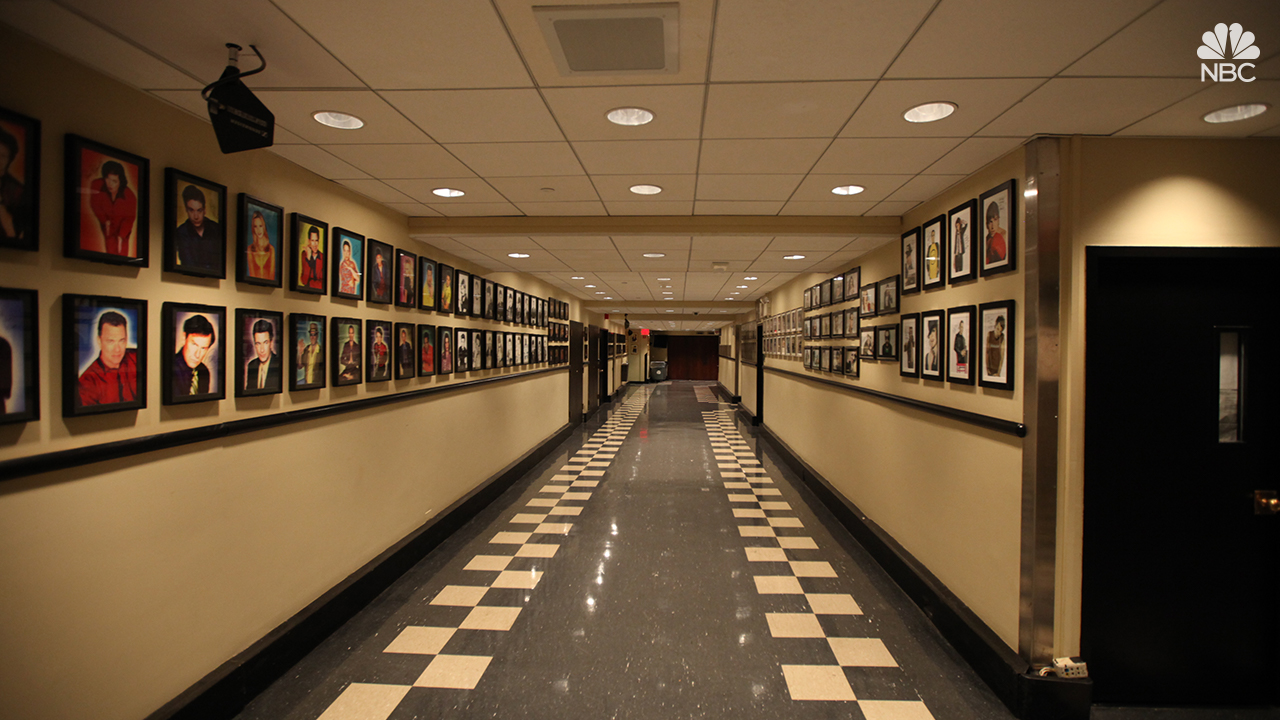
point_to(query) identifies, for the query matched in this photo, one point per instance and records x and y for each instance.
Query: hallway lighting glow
(742, 287)
(929, 112)
(630, 116)
(339, 120)
(1236, 113)
(655, 255)
(667, 292)
(847, 189)
(588, 286)
(577, 277)
(646, 189)
(664, 278)
(448, 192)
(753, 277)
(518, 255)
(793, 257)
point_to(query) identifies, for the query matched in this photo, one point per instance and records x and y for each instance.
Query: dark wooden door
(575, 372)
(593, 368)
(606, 394)
(693, 357)
(1181, 581)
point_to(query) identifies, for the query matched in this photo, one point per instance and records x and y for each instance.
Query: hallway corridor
(659, 565)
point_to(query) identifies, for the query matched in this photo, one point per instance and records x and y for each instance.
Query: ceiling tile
(925, 187)
(892, 207)
(563, 189)
(415, 43)
(718, 207)
(478, 116)
(574, 242)
(661, 243)
(1010, 38)
(746, 187)
(781, 110)
(660, 157)
(972, 154)
(477, 191)
(677, 111)
(426, 160)
(518, 159)
(551, 209)
(318, 161)
(883, 155)
(617, 188)
(729, 157)
(377, 190)
(412, 209)
(673, 262)
(477, 209)
(817, 188)
(382, 123)
(490, 244)
(706, 265)
(1089, 106)
(978, 102)
(774, 262)
(1186, 118)
(622, 208)
(591, 260)
(822, 40)
(851, 208)
(809, 244)
(728, 248)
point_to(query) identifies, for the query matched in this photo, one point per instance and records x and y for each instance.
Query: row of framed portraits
(558, 332)
(877, 298)
(786, 323)
(950, 248)
(839, 360)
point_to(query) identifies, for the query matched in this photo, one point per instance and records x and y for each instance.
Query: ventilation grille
(612, 39)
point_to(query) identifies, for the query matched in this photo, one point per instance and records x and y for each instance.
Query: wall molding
(76, 457)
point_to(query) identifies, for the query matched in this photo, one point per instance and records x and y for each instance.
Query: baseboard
(723, 392)
(1027, 696)
(224, 692)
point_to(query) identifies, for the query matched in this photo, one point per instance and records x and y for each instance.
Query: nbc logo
(1227, 43)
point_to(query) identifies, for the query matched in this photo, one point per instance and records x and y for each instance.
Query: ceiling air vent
(612, 39)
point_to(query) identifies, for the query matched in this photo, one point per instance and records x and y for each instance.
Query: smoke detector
(640, 39)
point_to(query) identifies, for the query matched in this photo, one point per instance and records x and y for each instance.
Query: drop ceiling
(764, 108)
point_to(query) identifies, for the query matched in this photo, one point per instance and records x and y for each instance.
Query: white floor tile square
(727, 466)
(785, 521)
(554, 488)
(817, 682)
(576, 496)
(736, 474)
(766, 491)
(553, 529)
(510, 538)
(748, 513)
(566, 511)
(490, 618)
(586, 483)
(798, 543)
(766, 554)
(832, 604)
(460, 595)
(737, 486)
(518, 579)
(739, 497)
(489, 562)
(459, 672)
(794, 625)
(774, 505)
(778, 585)
(895, 710)
(812, 568)
(537, 550)
(756, 531)
(421, 640)
(861, 652)
(527, 518)
(366, 701)
(593, 473)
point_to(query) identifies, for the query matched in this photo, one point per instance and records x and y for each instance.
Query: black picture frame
(852, 323)
(379, 334)
(851, 365)
(511, 305)
(461, 350)
(307, 351)
(259, 242)
(259, 339)
(446, 297)
(500, 302)
(19, 355)
(348, 267)
(21, 187)
(888, 301)
(1002, 202)
(933, 265)
(428, 284)
(406, 279)
(500, 344)
(102, 224)
(887, 344)
(868, 300)
(808, 298)
(909, 356)
(346, 355)
(824, 293)
(477, 347)
(444, 351)
(996, 361)
(960, 359)
(427, 350)
(824, 358)
(824, 325)
(196, 219)
(477, 295)
(837, 324)
(933, 345)
(867, 344)
(962, 241)
(380, 272)
(193, 334)
(909, 254)
(462, 296)
(308, 267)
(837, 291)
(92, 384)
(404, 351)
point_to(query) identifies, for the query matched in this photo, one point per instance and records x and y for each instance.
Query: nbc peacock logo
(1227, 44)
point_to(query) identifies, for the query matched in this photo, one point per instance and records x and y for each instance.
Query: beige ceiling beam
(706, 225)
(612, 306)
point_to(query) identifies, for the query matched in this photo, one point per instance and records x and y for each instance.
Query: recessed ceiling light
(671, 311)
(742, 287)
(753, 277)
(668, 298)
(629, 116)
(1236, 113)
(664, 278)
(577, 277)
(447, 192)
(793, 257)
(728, 298)
(339, 120)
(588, 286)
(646, 189)
(929, 112)
(667, 292)
(847, 189)
(655, 255)
(599, 292)
(735, 292)
(606, 297)
(518, 255)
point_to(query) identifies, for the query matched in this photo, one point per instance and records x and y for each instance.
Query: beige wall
(747, 387)
(138, 577)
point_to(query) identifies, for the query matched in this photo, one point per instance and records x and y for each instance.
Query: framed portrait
(824, 358)
(461, 349)
(867, 301)
(348, 264)
(406, 352)
(851, 362)
(477, 296)
(837, 324)
(477, 348)
(511, 305)
(911, 261)
(887, 290)
(426, 350)
(1000, 229)
(380, 282)
(377, 350)
(447, 297)
(195, 217)
(107, 208)
(997, 336)
(933, 344)
(852, 283)
(193, 361)
(259, 258)
(887, 342)
(824, 325)
(808, 328)
(851, 323)
(307, 351)
(310, 249)
(867, 344)
(428, 290)
(824, 294)
(962, 238)
(259, 352)
(509, 339)
(104, 354)
(933, 271)
(444, 343)
(490, 349)
(347, 355)
(500, 341)
(19, 184)
(500, 302)
(524, 349)
(808, 358)
(808, 298)
(960, 344)
(462, 288)
(522, 308)
(837, 289)
(489, 307)
(909, 358)
(19, 356)
(406, 278)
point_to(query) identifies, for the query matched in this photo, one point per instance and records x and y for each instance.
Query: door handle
(1265, 502)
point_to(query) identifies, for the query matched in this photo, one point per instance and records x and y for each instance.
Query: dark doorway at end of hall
(691, 357)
